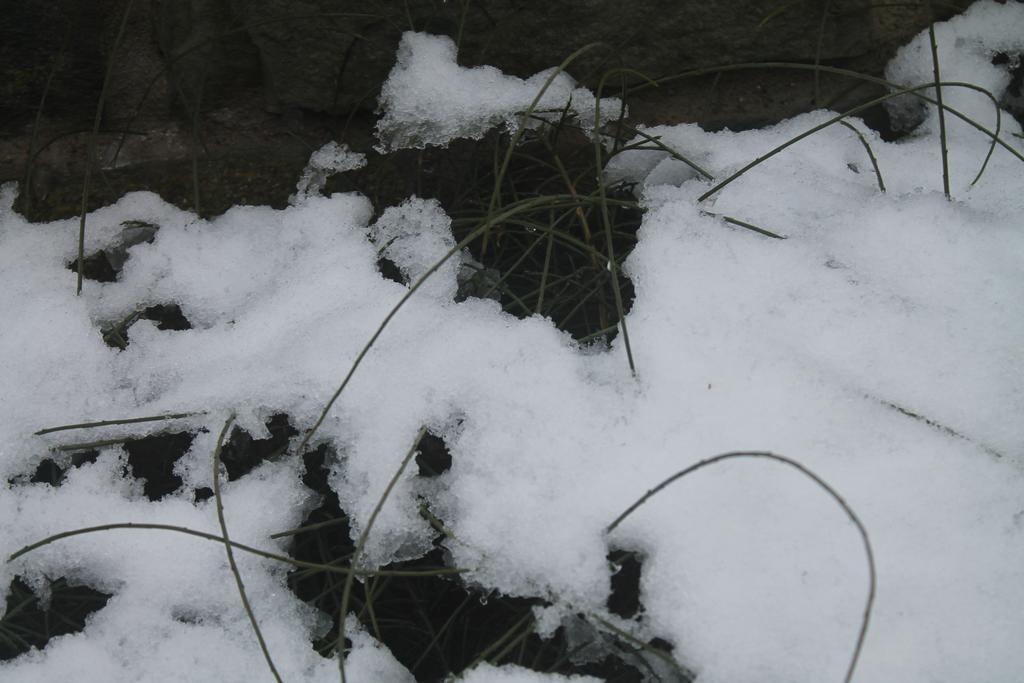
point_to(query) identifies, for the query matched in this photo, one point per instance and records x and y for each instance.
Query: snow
(414, 236)
(966, 45)
(488, 673)
(330, 159)
(822, 347)
(428, 99)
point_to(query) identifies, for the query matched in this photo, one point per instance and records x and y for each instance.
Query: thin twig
(871, 153)
(817, 480)
(839, 117)
(231, 554)
(330, 568)
(346, 594)
(91, 145)
(942, 113)
(521, 207)
(107, 423)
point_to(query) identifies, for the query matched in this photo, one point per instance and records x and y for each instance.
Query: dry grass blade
(872, 576)
(143, 526)
(230, 552)
(847, 73)
(683, 672)
(503, 168)
(91, 146)
(108, 423)
(871, 153)
(941, 110)
(346, 594)
(850, 112)
(522, 207)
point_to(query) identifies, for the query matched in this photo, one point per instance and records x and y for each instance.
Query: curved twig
(850, 112)
(231, 554)
(346, 594)
(301, 564)
(872, 576)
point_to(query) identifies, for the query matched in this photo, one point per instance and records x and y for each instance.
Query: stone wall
(246, 88)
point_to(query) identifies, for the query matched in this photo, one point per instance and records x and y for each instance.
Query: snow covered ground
(881, 344)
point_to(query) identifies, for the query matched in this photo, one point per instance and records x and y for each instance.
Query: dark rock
(209, 56)
(42, 42)
(332, 56)
(260, 84)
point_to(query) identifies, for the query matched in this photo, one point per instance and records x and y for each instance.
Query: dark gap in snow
(96, 267)
(477, 281)
(877, 118)
(30, 621)
(553, 259)
(624, 599)
(433, 458)
(105, 265)
(389, 271)
(436, 625)
(327, 539)
(578, 295)
(577, 288)
(242, 452)
(52, 472)
(152, 459)
(441, 531)
(661, 644)
(317, 470)
(1013, 98)
(166, 316)
(202, 493)
(48, 472)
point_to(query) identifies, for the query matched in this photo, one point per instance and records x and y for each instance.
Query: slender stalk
(684, 673)
(613, 267)
(656, 141)
(521, 207)
(836, 119)
(865, 540)
(31, 156)
(993, 136)
(194, 147)
(346, 594)
(301, 564)
(230, 552)
(91, 145)
(942, 112)
(817, 52)
(90, 445)
(743, 224)
(871, 153)
(544, 273)
(310, 527)
(503, 168)
(107, 423)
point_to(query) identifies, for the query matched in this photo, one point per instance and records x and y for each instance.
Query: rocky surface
(231, 96)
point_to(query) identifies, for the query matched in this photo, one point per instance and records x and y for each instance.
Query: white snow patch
(330, 159)
(966, 45)
(428, 99)
(488, 673)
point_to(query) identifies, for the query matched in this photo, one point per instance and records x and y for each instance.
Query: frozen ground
(881, 345)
